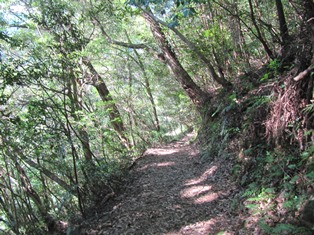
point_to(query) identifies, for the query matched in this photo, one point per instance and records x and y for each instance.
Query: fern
(284, 229)
(308, 108)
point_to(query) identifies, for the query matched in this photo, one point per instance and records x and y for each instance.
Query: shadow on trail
(171, 192)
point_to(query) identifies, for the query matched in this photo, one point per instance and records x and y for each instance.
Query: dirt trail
(173, 191)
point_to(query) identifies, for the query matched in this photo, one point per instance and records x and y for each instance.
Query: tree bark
(197, 96)
(284, 33)
(114, 114)
(219, 79)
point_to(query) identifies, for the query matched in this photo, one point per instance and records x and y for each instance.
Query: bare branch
(304, 73)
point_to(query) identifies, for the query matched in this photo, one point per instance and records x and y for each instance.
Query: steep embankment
(172, 190)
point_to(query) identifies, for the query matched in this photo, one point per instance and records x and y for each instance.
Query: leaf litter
(171, 190)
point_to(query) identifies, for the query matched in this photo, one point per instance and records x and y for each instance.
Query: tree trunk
(238, 38)
(43, 170)
(284, 33)
(34, 196)
(148, 91)
(197, 96)
(114, 114)
(76, 105)
(219, 79)
(259, 34)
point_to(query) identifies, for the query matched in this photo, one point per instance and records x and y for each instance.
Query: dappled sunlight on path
(162, 164)
(170, 191)
(201, 227)
(160, 152)
(203, 177)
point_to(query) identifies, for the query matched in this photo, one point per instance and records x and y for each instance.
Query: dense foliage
(86, 86)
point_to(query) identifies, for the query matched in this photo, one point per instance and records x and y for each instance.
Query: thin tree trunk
(148, 91)
(129, 103)
(237, 32)
(147, 87)
(284, 33)
(73, 94)
(33, 195)
(259, 34)
(43, 170)
(75, 157)
(197, 96)
(10, 209)
(78, 192)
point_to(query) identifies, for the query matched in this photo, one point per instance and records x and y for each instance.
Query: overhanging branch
(111, 41)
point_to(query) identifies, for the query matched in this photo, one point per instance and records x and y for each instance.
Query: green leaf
(221, 233)
(294, 179)
(265, 77)
(292, 166)
(251, 206)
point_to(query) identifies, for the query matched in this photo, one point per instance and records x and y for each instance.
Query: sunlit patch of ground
(199, 228)
(165, 164)
(195, 191)
(203, 177)
(159, 151)
(205, 227)
(200, 193)
(162, 164)
(209, 197)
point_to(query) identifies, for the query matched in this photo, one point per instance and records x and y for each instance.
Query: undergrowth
(269, 132)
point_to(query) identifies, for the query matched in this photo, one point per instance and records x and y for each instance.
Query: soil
(173, 190)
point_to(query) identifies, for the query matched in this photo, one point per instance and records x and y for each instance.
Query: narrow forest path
(172, 191)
